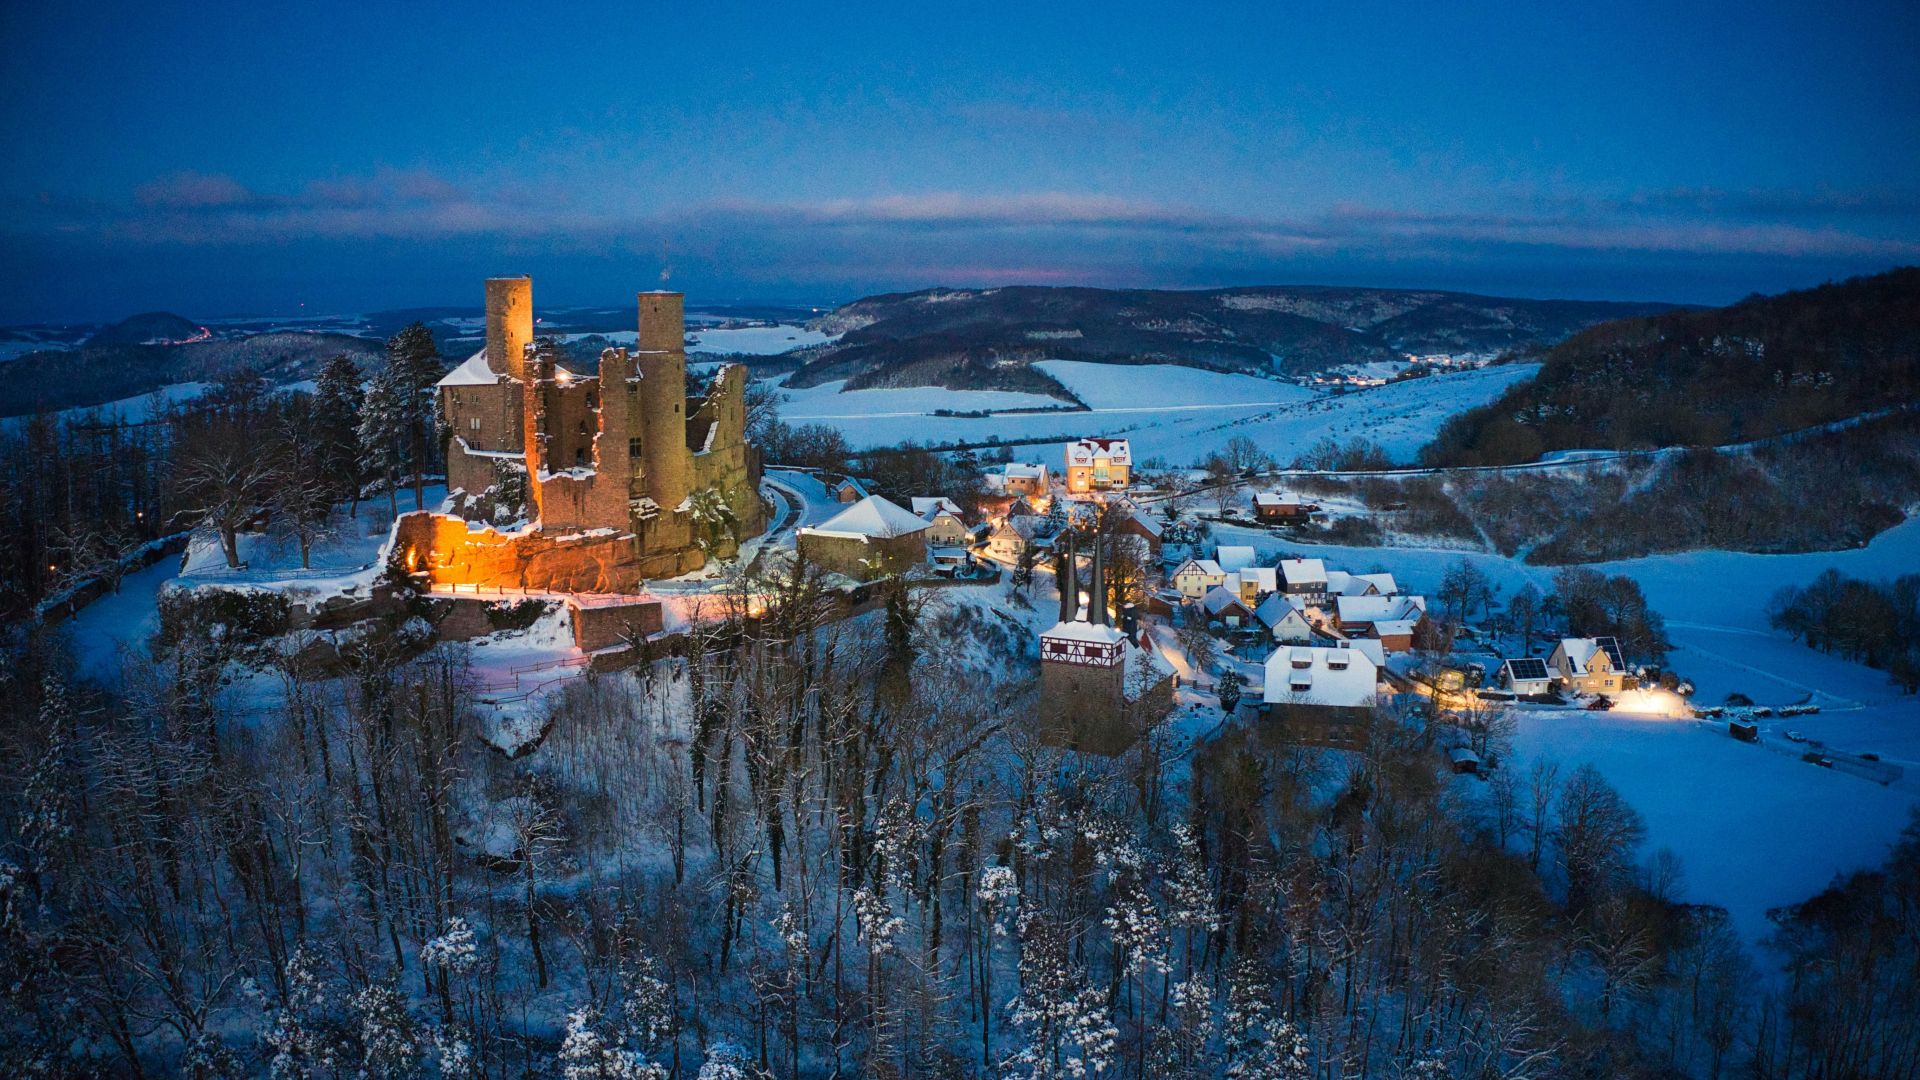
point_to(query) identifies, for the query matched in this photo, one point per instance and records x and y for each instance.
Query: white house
(1318, 677)
(1341, 583)
(1283, 619)
(1195, 576)
(1526, 675)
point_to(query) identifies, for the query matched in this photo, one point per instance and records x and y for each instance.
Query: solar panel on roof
(1531, 667)
(1611, 646)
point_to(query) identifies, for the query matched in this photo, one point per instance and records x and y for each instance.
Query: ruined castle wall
(450, 551)
(864, 560)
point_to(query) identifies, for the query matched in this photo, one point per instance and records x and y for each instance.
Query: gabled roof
(472, 372)
(1317, 675)
(928, 506)
(1277, 608)
(1147, 524)
(1235, 556)
(1204, 566)
(871, 518)
(1021, 470)
(1265, 579)
(857, 484)
(1084, 451)
(1342, 583)
(1303, 571)
(1271, 498)
(1579, 652)
(1377, 609)
(1219, 599)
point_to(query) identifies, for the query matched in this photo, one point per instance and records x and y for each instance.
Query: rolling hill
(989, 339)
(1759, 368)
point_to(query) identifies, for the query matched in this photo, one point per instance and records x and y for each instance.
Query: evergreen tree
(336, 425)
(413, 367)
(382, 434)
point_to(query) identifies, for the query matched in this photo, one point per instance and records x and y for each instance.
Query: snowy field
(1755, 826)
(1754, 829)
(134, 410)
(740, 341)
(1177, 413)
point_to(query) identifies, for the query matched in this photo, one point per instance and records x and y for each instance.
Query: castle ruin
(612, 478)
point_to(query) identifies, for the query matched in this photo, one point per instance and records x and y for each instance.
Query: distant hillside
(1761, 367)
(160, 326)
(96, 374)
(987, 339)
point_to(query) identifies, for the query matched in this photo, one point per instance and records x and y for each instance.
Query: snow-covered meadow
(1177, 413)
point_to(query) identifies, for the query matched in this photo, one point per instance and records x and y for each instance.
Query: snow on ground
(125, 620)
(134, 410)
(830, 403)
(1755, 826)
(757, 340)
(1754, 829)
(1177, 413)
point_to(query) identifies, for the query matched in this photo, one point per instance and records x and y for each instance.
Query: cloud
(919, 237)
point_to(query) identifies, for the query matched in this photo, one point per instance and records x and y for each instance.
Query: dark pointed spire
(1098, 603)
(1060, 564)
(1070, 583)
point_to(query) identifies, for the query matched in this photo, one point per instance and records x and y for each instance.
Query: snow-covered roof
(1085, 451)
(1219, 598)
(1374, 651)
(1147, 524)
(1264, 579)
(1021, 470)
(871, 517)
(1235, 556)
(928, 506)
(1579, 650)
(472, 372)
(1276, 608)
(1273, 498)
(1317, 675)
(1084, 631)
(1395, 627)
(1303, 571)
(1205, 567)
(1145, 668)
(1376, 609)
(1345, 584)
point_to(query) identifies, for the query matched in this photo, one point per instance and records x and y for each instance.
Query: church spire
(1099, 601)
(1068, 578)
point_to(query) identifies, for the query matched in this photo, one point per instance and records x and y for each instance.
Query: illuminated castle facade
(613, 478)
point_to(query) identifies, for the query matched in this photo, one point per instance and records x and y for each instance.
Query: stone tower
(509, 324)
(661, 359)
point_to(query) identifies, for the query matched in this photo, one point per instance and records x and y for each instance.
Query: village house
(1284, 620)
(1135, 522)
(852, 489)
(873, 538)
(1589, 665)
(1526, 676)
(1306, 579)
(1280, 508)
(1195, 577)
(1098, 465)
(1018, 478)
(1324, 696)
(1391, 620)
(1223, 606)
(1014, 534)
(1254, 582)
(944, 525)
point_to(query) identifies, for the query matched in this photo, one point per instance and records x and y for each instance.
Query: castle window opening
(473, 424)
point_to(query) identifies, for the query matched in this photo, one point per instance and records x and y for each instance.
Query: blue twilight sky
(216, 158)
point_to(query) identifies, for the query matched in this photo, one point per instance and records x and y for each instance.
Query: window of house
(633, 448)
(473, 423)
